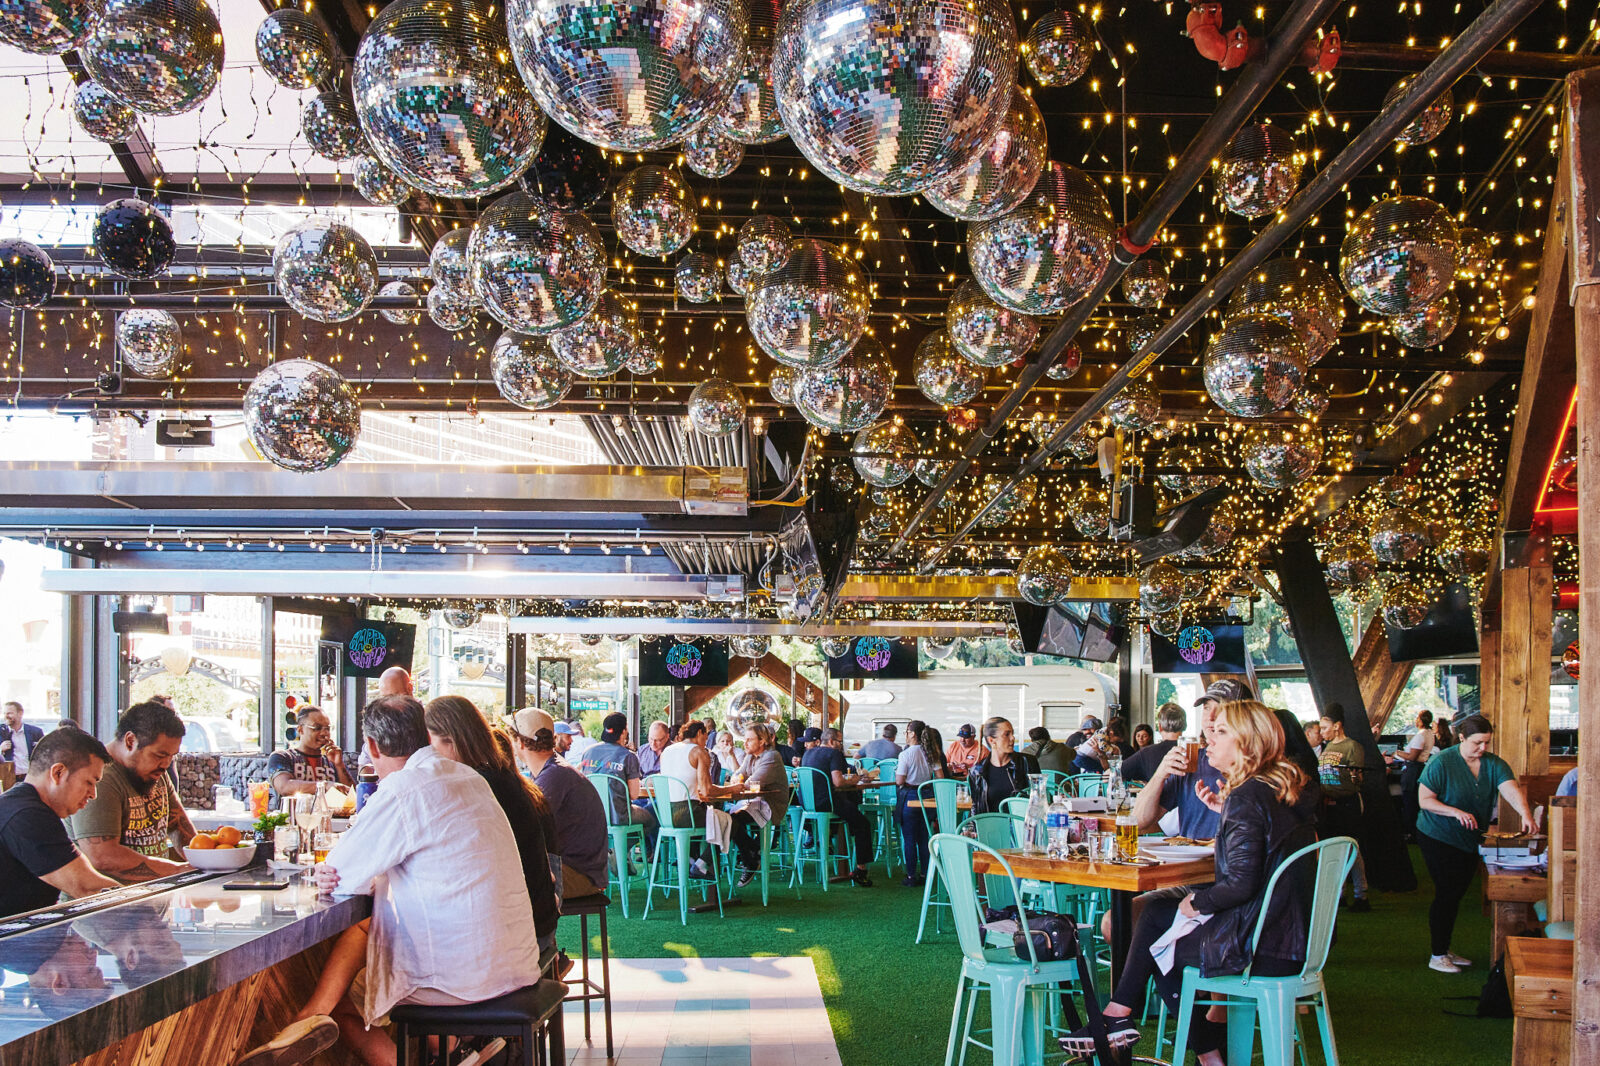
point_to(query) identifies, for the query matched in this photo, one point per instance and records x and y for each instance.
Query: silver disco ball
(630, 76)
(1301, 293)
(1218, 535)
(527, 372)
(1140, 331)
(1186, 457)
(449, 310)
(46, 27)
(653, 211)
(597, 345)
(1058, 47)
(134, 239)
(1350, 562)
(781, 384)
(1066, 364)
(983, 331)
(1137, 406)
(400, 316)
(302, 415)
(149, 341)
(1405, 605)
(1429, 327)
(999, 177)
(716, 408)
(1430, 123)
(1008, 502)
(325, 270)
(939, 650)
(536, 267)
(749, 706)
(1167, 624)
(1259, 170)
(711, 153)
(160, 57)
(1146, 282)
(850, 394)
(1398, 536)
(888, 96)
(835, 647)
(751, 114)
(931, 471)
(101, 115)
(294, 49)
(1160, 587)
(330, 126)
(1477, 260)
(1046, 255)
(763, 243)
(1399, 256)
(1090, 511)
(741, 279)
(698, 277)
(376, 183)
(1044, 578)
(463, 617)
(645, 359)
(447, 263)
(811, 309)
(1463, 554)
(1310, 403)
(943, 374)
(1254, 366)
(883, 453)
(749, 647)
(1278, 457)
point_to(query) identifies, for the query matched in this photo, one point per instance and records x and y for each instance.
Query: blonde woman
(1267, 814)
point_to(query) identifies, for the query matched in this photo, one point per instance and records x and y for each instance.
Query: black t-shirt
(1142, 764)
(827, 760)
(998, 781)
(33, 842)
(532, 849)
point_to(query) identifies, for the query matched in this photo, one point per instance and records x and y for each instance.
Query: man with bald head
(395, 681)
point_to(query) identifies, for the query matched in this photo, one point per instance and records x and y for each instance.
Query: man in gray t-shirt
(883, 747)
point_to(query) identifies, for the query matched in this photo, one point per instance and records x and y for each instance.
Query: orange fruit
(227, 836)
(203, 842)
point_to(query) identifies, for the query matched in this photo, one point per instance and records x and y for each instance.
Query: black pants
(1452, 870)
(747, 840)
(1410, 778)
(859, 828)
(915, 833)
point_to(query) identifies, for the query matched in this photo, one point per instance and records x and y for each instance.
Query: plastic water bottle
(1033, 822)
(1060, 824)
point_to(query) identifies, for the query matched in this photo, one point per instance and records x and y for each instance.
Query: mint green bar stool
(623, 837)
(813, 783)
(944, 816)
(678, 842)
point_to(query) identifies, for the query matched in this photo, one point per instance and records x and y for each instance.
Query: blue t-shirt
(880, 748)
(1195, 820)
(826, 759)
(619, 762)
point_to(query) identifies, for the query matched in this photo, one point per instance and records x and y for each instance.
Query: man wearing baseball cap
(1172, 786)
(1223, 690)
(965, 751)
(571, 742)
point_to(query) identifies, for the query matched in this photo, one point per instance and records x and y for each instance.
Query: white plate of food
(1179, 852)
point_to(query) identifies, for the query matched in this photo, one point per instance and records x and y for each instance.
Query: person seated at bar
(582, 840)
(38, 862)
(451, 921)
(125, 829)
(1049, 754)
(395, 681)
(760, 771)
(612, 756)
(1141, 765)
(1003, 773)
(688, 761)
(650, 754)
(1266, 813)
(1175, 784)
(883, 746)
(828, 756)
(726, 754)
(311, 758)
(965, 752)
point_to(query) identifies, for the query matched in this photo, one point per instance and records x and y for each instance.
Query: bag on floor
(1494, 1001)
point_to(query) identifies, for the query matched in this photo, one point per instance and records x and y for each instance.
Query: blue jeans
(915, 832)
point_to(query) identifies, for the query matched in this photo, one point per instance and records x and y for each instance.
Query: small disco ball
(645, 359)
(1058, 48)
(848, 395)
(1217, 536)
(447, 263)
(568, 173)
(999, 177)
(630, 76)
(883, 453)
(811, 309)
(751, 114)
(1160, 587)
(1084, 443)
(1254, 366)
(160, 57)
(1186, 457)
(440, 99)
(1146, 282)
(888, 96)
(1277, 457)
(302, 415)
(462, 617)
(931, 471)
(294, 49)
(598, 344)
(536, 267)
(134, 239)
(653, 211)
(1044, 578)
(1301, 293)
(716, 408)
(149, 341)
(835, 647)
(449, 310)
(781, 384)
(1405, 605)
(1140, 331)
(749, 647)
(943, 374)
(939, 650)
(763, 243)
(47, 27)
(330, 126)
(1090, 511)
(1046, 255)
(1066, 364)
(400, 316)
(1008, 502)
(1430, 123)
(711, 153)
(1137, 406)
(325, 270)
(527, 372)
(376, 183)
(1477, 254)
(698, 277)
(1259, 170)
(1310, 403)
(1429, 327)
(1398, 536)
(101, 115)
(27, 276)
(1400, 255)
(983, 331)
(749, 706)
(1462, 554)
(1349, 561)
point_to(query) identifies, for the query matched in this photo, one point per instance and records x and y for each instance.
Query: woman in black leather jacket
(1004, 773)
(1268, 813)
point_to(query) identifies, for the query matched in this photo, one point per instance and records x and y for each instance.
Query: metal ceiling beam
(867, 589)
(486, 583)
(750, 627)
(1354, 55)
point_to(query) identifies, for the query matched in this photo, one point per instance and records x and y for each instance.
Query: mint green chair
(814, 783)
(944, 817)
(880, 806)
(765, 873)
(674, 848)
(623, 837)
(1055, 781)
(1089, 784)
(1274, 999)
(996, 831)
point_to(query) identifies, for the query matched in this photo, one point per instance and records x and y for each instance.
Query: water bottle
(1060, 828)
(365, 787)
(1033, 823)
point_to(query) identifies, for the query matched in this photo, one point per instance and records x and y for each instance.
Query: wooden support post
(1380, 677)
(1520, 709)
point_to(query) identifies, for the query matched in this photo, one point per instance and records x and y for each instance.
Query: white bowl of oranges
(222, 849)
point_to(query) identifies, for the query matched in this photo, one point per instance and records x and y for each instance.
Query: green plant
(268, 822)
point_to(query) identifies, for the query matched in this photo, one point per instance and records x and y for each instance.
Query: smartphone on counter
(256, 884)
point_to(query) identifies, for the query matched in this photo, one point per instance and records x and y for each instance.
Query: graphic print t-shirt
(141, 820)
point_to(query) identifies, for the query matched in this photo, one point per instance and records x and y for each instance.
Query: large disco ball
(999, 177)
(1399, 256)
(597, 345)
(294, 49)
(440, 100)
(848, 395)
(46, 27)
(781, 384)
(653, 211)
(1405, 605)
(330, 126)
(1278, 457)
(711, 153)
(325, 270)
(1427, 125)
(943, 374)
(1058, 47)
(400, 316)
(567, 173)
(1301, 293)
(716, 408)
(835, 647)
(449, 310)
(527, 372)
(376, 183)
(1090, 511)
(536, 267)
(1044, 577)
(447, 263)
(1254, 366)
(27, 276)
(1145, 283)
(1463, 554)
(1398, 536)
(1429, 327)
(645, 359)
(463, 617)
(1137, 406)
(750, 706)
(149, 341)
(1349, 561)
(161, 57)
(888, 96)
(697, 277)
(983, 331)
(811, 309)
(302, 415)
(134, 239)
(763, 243)
(750, 115)
(749, 647)
(883, 453)
(1160, 587)
(101, 115)
(1066, 364)
(1259, 170)
(630, 76)
(1046, 255)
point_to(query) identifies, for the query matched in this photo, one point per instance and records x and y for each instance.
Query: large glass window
(31, 634)
(209, 664)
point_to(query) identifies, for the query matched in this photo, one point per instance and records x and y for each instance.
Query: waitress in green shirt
(1457, 795)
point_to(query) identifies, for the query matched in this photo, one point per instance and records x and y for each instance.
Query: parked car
(212, 734)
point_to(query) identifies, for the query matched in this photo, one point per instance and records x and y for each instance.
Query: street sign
(591, 705)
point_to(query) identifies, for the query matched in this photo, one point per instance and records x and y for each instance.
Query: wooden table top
(961, 805)
(1123, 877)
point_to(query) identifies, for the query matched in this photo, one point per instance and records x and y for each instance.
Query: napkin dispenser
(1088, 805)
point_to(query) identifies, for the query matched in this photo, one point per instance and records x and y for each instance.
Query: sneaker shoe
(1443, 964)
(1457, 959)
(297, 1042)
(1359, 906)
(861, 878)
(745, 877)
(1120, 1033)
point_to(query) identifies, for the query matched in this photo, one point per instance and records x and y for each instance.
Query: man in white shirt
(449, 925)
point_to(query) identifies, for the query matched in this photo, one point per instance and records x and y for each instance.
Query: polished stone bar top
(67, 990)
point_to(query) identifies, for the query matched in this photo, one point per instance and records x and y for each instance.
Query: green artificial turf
(889, 998)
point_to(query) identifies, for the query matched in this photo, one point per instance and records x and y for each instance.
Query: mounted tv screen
(680, 663)
(1077, 630)
(366, 647)
(1201, 648)
(1450, 629)
(876, 657)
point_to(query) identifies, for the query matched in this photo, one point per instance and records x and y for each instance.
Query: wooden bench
(1539, 977)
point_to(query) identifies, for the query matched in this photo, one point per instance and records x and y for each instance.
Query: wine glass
(307, 818)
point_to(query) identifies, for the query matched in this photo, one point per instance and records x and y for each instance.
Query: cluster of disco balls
(130, 236)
